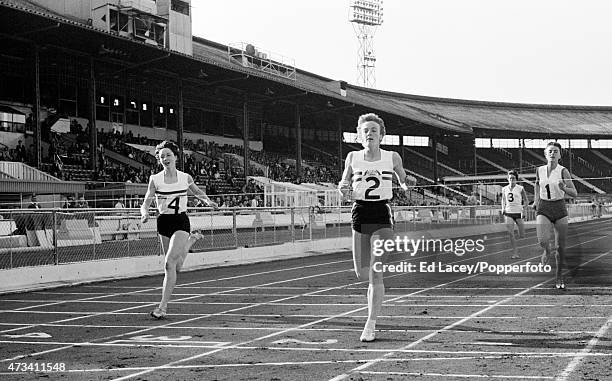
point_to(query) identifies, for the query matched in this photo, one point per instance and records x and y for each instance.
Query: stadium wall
(42, 277)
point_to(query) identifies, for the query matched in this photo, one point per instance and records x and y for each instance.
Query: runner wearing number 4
(553, 183)
(513, 201)
(368, 175)
(170, 187)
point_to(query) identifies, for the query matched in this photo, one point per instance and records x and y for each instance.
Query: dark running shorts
(168, 224)
(553, 210)
(514, 216)
(369, 216)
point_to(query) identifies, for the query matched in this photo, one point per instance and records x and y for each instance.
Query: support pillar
(298, 141)
(245, 135)
(36, 110)
(180, 126)
(93, 130)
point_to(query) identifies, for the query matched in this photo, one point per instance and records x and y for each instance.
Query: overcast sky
(527, 51)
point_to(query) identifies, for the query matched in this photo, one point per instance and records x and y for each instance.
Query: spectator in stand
(472, 201)
(69, 204)
(20, 151)
(34, 203)
(119, 204)
(82, 203)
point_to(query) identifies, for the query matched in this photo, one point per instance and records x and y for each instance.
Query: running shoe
(158, 313)
(193, 238)
(368, 334)
(560, 284)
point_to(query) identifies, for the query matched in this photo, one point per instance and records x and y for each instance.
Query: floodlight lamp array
(368, 12)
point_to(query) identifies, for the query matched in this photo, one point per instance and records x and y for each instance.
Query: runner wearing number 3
(553, 183)
(368, 175)
(170, 187)
(513, 201)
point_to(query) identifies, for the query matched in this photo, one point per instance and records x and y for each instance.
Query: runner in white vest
(368, 175)
(170, 188)
(513, 201)
(553, 184)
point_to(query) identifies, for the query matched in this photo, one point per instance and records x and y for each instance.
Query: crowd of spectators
(19, 153)
(209, 166)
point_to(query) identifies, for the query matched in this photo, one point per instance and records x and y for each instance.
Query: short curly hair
(371, 117)
(167, 144)
(514, 173)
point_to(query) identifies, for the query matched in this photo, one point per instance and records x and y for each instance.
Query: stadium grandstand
(87, 91)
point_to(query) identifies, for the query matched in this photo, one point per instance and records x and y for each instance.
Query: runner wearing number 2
(553, 183)
(170, 187)
(368, 174)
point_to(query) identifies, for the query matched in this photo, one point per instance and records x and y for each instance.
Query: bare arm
(199, 193)
(524, 198)
(567, 185)
(345, 183)
(398, 167)
(148, 198)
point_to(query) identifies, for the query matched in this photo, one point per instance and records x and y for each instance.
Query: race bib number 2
(373, 184)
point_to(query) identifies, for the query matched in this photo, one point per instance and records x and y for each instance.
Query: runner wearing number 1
(368, 175)
(553, 183)
(170, 187)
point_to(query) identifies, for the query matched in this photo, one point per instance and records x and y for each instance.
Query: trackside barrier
(51, 238)
(31, 237)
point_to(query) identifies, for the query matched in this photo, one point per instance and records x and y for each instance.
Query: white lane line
(299, 363)
(404, 303)
(269, 328)
(418, 316)
(456, 375)
(388, 295)
(362, 367)
(159, 344)
(306, 288)
(577, 360)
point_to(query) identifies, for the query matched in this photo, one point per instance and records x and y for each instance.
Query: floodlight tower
(366, 16)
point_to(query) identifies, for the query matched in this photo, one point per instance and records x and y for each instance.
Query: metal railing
(35, 237)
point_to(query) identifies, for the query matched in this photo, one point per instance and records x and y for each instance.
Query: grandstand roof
(416, 115)
(505, 117)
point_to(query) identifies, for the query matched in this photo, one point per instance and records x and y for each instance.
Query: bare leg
(510, 228)
(543, 228)
(521, 227)
(561, 233)
(361, 262)
(193, 238)
(176, 249)
(364, 263)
